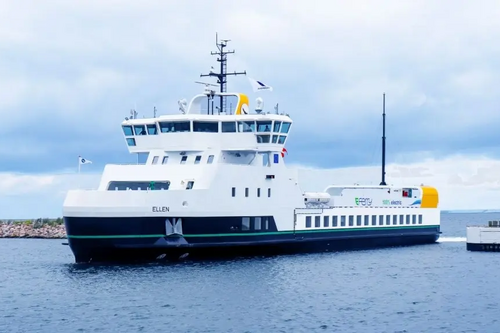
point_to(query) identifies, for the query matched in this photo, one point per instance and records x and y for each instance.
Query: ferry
(484, 238)
(216, 183)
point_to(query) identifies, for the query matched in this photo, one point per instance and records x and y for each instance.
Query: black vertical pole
(383, 143)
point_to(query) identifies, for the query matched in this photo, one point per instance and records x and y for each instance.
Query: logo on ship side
(363, 201)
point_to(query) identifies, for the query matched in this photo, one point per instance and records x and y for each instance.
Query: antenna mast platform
(221, 76)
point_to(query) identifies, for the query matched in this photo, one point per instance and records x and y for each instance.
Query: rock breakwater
(40, 228)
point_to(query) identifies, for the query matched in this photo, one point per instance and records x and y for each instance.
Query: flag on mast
(259, 85)
(82, 160)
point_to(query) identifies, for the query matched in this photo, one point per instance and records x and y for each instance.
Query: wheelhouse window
(205, 126)
(277, 125)
(264, 126)
(263, 138)
(140, 130)
(152, 129)
(174, 126)
(246, 126)
(285, 127)
(282, 139)
(127, 130)
(131, 141)
(228, 127)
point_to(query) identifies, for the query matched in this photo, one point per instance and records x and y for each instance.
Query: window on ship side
(317, 221)
(388, 220)
(351, 220)
(367, 220)
(374, 219)
(342, 221)
(401, 219)
(414, 219)
(381, 220)
(394, 219)
(420, 219)
(334, 221)
(326, 221)
(308, 222)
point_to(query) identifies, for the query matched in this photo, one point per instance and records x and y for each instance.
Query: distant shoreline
(33, 229)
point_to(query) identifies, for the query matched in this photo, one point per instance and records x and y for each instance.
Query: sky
(71, 71)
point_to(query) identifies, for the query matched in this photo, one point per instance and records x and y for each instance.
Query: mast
(221, 76)
(383, 143)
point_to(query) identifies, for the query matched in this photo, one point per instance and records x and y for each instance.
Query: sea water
(430, 288)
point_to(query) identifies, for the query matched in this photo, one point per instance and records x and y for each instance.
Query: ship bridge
(201, 128)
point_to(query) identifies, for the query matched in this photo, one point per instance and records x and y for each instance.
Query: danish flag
(283, 151)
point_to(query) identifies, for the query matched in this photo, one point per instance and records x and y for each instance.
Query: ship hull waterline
(97, 241)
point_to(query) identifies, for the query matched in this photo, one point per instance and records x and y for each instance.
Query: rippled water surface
(431, 288)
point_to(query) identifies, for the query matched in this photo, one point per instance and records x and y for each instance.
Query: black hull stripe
(260, 234)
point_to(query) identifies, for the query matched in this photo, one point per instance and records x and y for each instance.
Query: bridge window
(210, 159)
(174, 126)
(275, 139)
(246, 126)
(285, 127)
(144, 185)
(197, 159)
(282, 139)
(152, 129)
(263, 138)
(140, 130)
(264, 126)
(228, 126)
(127, 130)
(277, 125)
(165, 160)
(205, 126)
(131, 141)
(155, 160)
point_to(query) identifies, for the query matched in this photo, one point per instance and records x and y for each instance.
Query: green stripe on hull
(255, 233)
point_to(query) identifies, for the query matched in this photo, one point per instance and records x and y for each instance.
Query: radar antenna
(221, 77)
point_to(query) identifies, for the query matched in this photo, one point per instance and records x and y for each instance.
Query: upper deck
(200, 129)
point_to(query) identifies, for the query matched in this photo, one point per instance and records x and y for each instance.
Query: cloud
(70, 72)
(462, 182)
